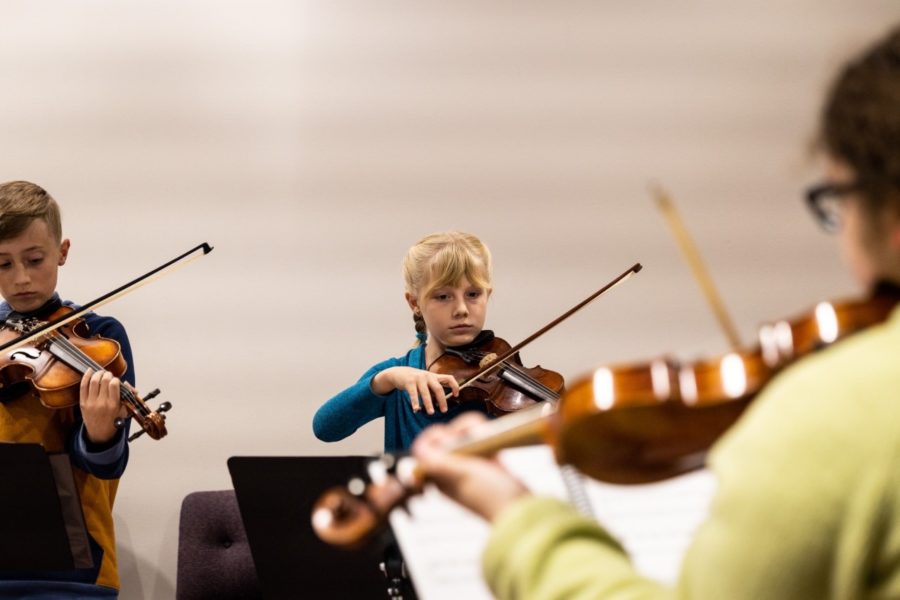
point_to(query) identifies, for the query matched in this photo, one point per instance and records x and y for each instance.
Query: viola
(629, 423)
(506, 389)
(53, 365)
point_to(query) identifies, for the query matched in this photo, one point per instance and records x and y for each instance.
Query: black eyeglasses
(825, 200)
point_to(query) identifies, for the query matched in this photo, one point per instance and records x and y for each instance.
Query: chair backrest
(214, 559)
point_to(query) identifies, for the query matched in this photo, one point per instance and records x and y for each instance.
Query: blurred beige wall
(313, 142)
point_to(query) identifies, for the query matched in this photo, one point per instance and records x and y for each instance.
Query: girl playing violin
(808, 498)
(448, 283)
(31, 251)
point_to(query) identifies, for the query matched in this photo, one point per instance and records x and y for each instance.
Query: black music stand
(33, 529)
(275, 496)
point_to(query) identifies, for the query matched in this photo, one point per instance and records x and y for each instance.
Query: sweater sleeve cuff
(367, 382)
(101, 454)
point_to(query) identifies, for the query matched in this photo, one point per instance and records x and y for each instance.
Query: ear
(63, 252)
(413, 302)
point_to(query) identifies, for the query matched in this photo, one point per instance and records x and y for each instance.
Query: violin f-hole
(15, 355)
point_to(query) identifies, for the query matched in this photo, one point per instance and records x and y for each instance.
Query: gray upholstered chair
(214, 559)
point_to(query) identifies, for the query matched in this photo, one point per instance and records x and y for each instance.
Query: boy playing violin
(31, 251)
(808, 498)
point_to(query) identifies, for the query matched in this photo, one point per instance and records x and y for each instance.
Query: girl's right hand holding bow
(423, 387)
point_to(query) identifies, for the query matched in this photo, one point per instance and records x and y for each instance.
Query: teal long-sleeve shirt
(807, 504)
(357, 405)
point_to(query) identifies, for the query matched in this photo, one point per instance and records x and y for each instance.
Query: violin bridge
(487, 359)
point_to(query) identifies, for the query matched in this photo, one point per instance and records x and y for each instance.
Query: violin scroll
(348, 516)
(152, 422)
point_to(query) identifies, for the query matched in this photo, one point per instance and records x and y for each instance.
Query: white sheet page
(442, 542)
(656, 521)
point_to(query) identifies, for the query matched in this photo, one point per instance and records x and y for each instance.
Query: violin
(54, 364)
(506, 389)
(488, 369)
(650, 421)
(623, 424)
(52, 356)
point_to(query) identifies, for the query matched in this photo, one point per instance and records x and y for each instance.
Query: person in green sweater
(807, 504)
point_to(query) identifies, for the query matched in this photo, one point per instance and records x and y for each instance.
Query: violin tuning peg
(119, 422)
(152, 394)
(164, 407)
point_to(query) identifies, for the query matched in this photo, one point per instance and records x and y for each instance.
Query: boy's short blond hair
(21, 202)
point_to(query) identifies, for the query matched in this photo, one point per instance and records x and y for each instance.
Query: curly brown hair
(860, 121)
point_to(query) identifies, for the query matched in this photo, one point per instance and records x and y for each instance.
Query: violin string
(86, 362)
(524, 374)
(636, 268)
(518, 371)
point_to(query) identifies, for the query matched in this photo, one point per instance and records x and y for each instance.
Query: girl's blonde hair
(443, 259)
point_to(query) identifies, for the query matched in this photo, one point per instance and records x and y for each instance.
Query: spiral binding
(575, 488)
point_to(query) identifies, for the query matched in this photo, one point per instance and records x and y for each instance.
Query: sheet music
(442, 543)
(655, 522)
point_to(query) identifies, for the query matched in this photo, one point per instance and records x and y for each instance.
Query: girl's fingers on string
(413, 392)
(438, 389)
(450, 382)
(425, 395)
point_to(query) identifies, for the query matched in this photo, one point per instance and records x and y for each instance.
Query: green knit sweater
(807, 504)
